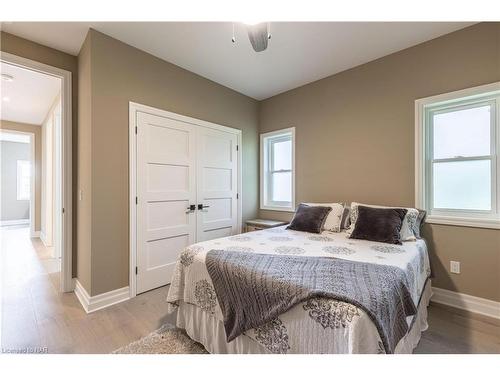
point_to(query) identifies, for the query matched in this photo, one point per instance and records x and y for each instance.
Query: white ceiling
(298, 53)
(28, 97)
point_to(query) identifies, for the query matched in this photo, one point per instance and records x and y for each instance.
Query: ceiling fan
(259, 35)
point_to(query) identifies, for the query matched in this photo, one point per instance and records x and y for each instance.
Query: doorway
(36, 108)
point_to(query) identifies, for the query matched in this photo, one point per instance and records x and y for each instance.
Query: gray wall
(11, 208)
(36, 130)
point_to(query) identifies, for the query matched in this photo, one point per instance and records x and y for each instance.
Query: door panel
(217, 184)
(166, 186)
(218, 233)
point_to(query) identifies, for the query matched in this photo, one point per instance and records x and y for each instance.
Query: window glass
(282, 187)
(463, 132)
(462, 185)
(277, 170)
(23, 179)
(282, 155)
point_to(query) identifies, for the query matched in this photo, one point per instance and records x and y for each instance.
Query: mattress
(320, 325)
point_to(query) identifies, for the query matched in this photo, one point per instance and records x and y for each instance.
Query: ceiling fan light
(259, 36)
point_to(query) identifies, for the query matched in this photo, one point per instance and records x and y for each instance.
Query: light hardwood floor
(36, 315)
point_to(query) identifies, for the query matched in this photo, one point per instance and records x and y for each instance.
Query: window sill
(277, 208)
(464, 221)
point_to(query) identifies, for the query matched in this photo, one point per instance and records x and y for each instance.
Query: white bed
(320, 325)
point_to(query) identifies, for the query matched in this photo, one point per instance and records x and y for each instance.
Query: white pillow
(334, 218)
(408, 229)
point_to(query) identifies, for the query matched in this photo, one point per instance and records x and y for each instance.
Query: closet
(187, 183)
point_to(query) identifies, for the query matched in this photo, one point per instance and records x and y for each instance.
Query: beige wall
(84, 178)
(34, 51)
(120, 73)
(37, 131)
(355, 141)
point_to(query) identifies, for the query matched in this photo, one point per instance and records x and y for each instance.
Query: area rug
(165, 340)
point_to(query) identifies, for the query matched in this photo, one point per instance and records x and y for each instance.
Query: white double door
(187, 184)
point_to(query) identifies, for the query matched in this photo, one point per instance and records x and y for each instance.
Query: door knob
(201, 206)
(191, 208)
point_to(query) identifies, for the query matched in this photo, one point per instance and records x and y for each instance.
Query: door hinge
(63, 210)
(136, 200)
(136, 270)
(237, 148)
(237, 196)
(136, 130)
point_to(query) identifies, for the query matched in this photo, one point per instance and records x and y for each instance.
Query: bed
(318, 325)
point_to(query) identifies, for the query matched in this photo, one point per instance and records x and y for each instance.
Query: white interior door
(166, 187)
(217, 184)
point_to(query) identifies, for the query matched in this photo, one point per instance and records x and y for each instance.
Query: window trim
(266, 170)
(423, 191)
(18, 180)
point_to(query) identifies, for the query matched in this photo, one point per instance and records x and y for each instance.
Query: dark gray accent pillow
(379, 224)
(309, 218)
(420, 222)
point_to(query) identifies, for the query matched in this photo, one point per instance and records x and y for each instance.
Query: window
(457, 166)
(23, 180)
(277, 188)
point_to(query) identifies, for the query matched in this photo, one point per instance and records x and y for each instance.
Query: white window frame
(424, 108)
(266, 141)
(19, 195)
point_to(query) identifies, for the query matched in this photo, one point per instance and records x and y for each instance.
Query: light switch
(80, 195)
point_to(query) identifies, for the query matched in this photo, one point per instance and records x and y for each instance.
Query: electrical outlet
(80, 194)
(454, 266)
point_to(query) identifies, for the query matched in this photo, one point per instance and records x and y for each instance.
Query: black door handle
(201, 206)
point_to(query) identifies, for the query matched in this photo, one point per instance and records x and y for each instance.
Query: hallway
(36, 316)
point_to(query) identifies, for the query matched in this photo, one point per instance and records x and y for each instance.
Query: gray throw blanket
(253, 289)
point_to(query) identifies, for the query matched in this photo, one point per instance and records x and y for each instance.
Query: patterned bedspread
(318, 325)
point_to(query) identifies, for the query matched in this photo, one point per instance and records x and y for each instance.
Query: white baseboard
(94, 303)
(467, 302)
(43, 237)
(36, 234)
(5, 223)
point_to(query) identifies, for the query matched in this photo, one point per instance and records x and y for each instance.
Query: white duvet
(320, 325)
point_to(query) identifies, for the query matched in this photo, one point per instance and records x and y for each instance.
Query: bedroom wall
(120, 73)
(84, 173)
(355, 141)
(25, 48)
(37, 131)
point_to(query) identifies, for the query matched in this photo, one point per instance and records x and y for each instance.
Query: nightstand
(259, 224)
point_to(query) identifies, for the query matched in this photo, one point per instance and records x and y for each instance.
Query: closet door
(217, 184)
(166, 187)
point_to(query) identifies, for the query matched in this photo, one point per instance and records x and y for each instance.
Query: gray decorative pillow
(346, 218)
(379, 224)
(309, 218)
(419, 222)
(408, 229)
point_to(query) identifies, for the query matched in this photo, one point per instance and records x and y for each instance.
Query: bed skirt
(209, 331)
